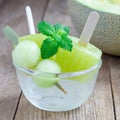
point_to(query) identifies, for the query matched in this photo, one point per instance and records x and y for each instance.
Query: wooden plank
(58, 12)
(12, 13)
(115, 80)
(101, 100)
(98, 107)
(9, 88)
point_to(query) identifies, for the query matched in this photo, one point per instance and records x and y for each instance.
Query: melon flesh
(36, 38)
(115, 1)
(46, 80)
(80, 58)
(109, 6)
(26, 54)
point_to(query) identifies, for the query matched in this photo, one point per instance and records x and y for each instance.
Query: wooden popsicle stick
(32, 31)
(61, 88)
(30, 20)
(89, 28)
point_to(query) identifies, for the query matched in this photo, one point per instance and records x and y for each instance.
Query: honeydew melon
(81, 58)
(46, 80)
(107, 33)
(115, 1)
(26, 54)
(48, 66)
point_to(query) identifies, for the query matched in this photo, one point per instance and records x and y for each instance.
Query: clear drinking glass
(78, 86)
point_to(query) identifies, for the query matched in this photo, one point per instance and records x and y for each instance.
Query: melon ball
(26, 54)
(46, 80)
(48, 66)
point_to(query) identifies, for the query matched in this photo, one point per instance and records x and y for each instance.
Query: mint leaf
(67, 29)
(61, 32)
(57, 38)
(66, 43)
(59, 26)
(46, 28)
(49, 48)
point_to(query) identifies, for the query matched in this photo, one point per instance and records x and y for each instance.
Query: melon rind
(107, 33)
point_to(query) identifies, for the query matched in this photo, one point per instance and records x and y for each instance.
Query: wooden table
(104, 103)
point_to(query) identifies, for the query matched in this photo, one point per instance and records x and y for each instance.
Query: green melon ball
(26, 54)
(48, 66)
(46, 80)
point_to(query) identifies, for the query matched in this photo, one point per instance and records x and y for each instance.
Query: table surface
(103, 104)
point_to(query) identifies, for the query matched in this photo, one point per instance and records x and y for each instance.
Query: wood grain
(57, 12)
(9, 88)
(98, 107)
(12, 13)
(115, 81)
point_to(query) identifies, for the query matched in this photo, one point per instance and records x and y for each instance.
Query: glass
(78, 86)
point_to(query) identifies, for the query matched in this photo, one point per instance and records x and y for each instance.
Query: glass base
(53, 99)
(53, 107)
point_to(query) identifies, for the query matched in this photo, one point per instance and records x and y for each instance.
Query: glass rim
(62, 74)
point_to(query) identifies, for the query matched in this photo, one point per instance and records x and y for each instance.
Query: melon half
(107, 33)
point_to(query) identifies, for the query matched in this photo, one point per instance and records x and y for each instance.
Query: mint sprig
(61, 27)
(57, 37)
